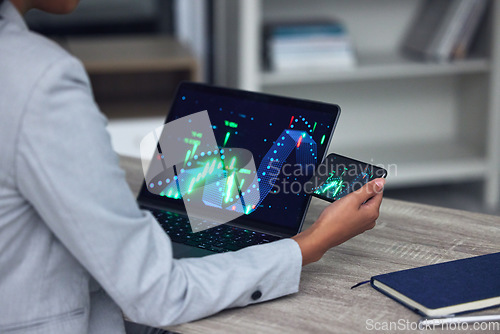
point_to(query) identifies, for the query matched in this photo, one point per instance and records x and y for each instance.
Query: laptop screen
(257, 122)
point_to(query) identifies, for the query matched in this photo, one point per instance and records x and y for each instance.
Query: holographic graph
(342, 181)
(354, 184)
(191, 165)
(240, 121)
(226, 183)
(195, 169)
(220, 177)
(306, 154)
(332, 185)
(217, 173)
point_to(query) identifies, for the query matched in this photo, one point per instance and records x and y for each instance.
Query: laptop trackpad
(181, 251)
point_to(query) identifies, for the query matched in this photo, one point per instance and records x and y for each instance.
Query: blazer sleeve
(68, 171)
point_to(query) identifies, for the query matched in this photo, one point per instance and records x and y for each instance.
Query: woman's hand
(342, 220)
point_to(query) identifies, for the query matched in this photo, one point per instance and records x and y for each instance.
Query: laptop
(258, 123)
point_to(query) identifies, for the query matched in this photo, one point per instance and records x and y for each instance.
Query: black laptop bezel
(149, 200)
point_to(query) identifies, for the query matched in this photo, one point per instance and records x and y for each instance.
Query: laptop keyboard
(219, 239)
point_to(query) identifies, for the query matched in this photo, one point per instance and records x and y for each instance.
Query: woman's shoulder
(27, 59)
(28, 53)
(22, 50)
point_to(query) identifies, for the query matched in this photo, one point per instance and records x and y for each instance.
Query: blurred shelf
(400, 101)
(427, 162)
(134, 76)
(131, 108)
(376, 67)
(132, 54)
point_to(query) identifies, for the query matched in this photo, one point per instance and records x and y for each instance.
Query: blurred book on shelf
(321, 44)
(444, 30)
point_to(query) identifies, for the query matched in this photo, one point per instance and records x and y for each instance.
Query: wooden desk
(407, 235)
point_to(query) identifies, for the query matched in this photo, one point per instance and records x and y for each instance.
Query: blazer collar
(9, 13)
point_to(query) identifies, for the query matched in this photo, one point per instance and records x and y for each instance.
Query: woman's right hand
(342, 220)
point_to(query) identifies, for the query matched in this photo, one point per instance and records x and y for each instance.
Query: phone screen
(338, 176)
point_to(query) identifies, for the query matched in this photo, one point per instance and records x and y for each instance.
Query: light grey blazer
(75, 250)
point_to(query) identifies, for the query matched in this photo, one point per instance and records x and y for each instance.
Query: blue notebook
(445, 288)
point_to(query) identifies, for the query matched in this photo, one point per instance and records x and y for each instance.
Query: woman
(75, 250)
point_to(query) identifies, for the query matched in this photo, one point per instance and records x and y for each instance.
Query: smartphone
(338, 176)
